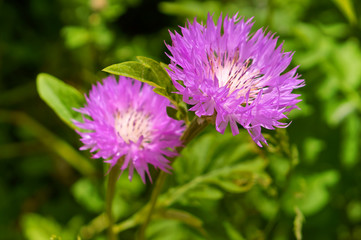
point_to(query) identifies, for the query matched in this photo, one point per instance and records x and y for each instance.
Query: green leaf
(61, 97)
(170, 229)
(172, 113)
(148, 71)
(75, 36)
(134, 70)
(86, 194)
(180, 215)
(347, 9)
(347, 60)
(209, 166)
(309, 193)
(205, 192)
(36, 227)
(351, 141)
(159, 71)
(232, 232)
(153, 73)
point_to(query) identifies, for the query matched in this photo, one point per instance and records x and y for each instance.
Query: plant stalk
(153, 200)
(196, 126)
(112, 180)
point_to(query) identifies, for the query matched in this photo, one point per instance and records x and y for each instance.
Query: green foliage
(206, 174)
(222, 187)
(153, 73)
(346, 6)
(170, 229)
(309, 193)
(299, 219)
(37, 227)
(231, 232)
(61, 97)
(84, 188)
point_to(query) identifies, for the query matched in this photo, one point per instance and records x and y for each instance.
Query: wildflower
(126, 120)
(225, 71)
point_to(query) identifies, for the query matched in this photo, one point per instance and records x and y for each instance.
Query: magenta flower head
(126, 120)
(225, 71)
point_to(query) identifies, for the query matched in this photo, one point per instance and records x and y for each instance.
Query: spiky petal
(224, 70)
(126, 120)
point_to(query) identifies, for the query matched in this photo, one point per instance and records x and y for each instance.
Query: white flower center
(131, 125)
(239, 77)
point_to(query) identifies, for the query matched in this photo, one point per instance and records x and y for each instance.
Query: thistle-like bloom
(125, 120)
(225, 71)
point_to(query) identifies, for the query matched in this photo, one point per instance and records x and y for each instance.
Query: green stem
(112, 180)
(196, 126)
(153, 200)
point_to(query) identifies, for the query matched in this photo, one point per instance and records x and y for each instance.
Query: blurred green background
(312, 172)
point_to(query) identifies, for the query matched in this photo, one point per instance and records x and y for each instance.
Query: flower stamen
(240, 77)
(131, 125)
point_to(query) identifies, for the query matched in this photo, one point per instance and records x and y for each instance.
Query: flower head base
(226, 71)
(127, 120)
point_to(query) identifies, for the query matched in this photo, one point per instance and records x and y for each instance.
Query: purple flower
(126, 120)
(225, 71)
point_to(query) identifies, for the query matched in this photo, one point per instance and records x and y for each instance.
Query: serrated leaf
(61, 97)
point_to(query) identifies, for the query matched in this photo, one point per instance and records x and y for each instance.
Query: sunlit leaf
(153, 73)
(351, 141)
(61, 97)
(346, 7)
(37, 227)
